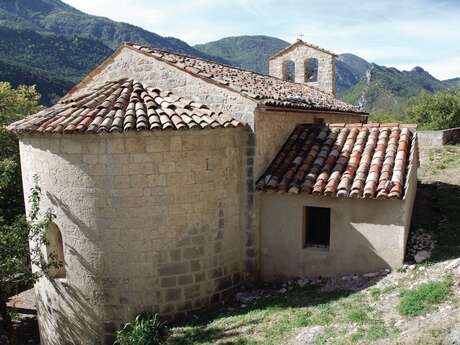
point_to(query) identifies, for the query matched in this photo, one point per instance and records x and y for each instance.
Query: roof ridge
(300, 41)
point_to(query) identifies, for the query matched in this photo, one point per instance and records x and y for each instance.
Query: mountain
(350, 70)
(66, 56)
(53, 45)
(53, 62)
(249, 52)
(50, 86)
(253, 52)
(59, 18)
(386, 89)
(452, 83)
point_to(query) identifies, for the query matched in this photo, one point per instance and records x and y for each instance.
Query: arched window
(289, 71)
(311, 70)
(55, 251)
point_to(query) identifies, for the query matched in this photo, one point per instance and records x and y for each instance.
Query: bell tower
(306, 63)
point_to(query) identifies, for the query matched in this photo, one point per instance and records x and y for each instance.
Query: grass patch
(425, 297)
(375, 293)
(358, 315)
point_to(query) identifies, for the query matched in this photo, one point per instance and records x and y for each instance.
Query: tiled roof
(266, 90)
(362, 161)
(301, 42)
(121, 106)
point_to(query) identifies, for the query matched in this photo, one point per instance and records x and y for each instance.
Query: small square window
(317, 222)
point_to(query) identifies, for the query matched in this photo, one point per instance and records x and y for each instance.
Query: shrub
(436, 111)
(144, 330)
(422, 299)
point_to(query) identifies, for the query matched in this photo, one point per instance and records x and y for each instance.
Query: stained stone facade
(301, 54)
(150, 222)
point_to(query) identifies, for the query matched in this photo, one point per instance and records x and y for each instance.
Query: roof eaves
(263, 107)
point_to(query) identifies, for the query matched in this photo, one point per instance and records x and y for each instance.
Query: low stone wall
(438, 138)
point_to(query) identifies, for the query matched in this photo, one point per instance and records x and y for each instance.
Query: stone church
(174, 179)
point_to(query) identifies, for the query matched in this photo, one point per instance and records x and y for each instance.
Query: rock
(422, 256)
(453, 338)
(302, 282)
(245, 297)
(457, 272)
(370, 275)
(308, 335)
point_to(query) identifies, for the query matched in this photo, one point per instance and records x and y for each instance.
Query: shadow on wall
(63, 305)
(88, 232)
(72, 305)
(437, 211)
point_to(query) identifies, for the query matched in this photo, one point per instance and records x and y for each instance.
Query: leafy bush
(422, 299)
(438, 111)
(144, 330)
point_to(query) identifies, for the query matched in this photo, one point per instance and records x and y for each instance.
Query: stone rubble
(419, 241)
(453, 338)
(308, 335)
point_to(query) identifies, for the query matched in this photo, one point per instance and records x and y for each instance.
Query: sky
(398, 33)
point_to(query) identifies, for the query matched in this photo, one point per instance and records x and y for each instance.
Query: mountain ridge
(57, 45)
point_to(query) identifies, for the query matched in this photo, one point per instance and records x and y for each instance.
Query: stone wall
(150, 222)
(438, 138)
(129, 63)
(299, 55)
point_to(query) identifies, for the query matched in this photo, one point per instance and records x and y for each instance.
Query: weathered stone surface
(453, 338)
(422, 256)
(133, 235)
(300, 55)
(308, 335)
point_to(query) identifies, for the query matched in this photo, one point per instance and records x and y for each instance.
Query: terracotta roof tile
(123, 105)
(359, 160)
(266, 90)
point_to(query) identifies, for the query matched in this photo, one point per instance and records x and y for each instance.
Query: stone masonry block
(185, 280)
(115, 146)
(70, 146)
(168, 282)
(171, 269)
(173, 295)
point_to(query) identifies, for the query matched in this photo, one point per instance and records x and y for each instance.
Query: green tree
(15, 231)
(14, 105)
(17, 257)
(436, 111)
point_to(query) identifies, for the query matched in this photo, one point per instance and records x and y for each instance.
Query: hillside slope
(70, 57)
(249, 52)
(387, 90)
(59, 18)
(50, 86)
